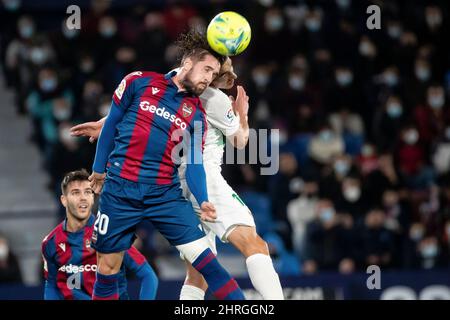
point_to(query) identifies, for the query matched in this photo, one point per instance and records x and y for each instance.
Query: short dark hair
(78, 175)
(194, 45)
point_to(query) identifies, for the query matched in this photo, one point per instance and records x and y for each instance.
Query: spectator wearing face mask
(384, 177)
(431, 118)
(375, 240)
(301, 211)
(351, 199)
(418, 82)
(411, 160)
(325, 145)
(441, 152)
(398, 220)
(387, 121)
(343, 92)
(429, 254)
(106, 41)
(9, 266)
(283, 188)
(68, 153)
(333, 175)
(49, 104)
(329, 244)
(66, 42)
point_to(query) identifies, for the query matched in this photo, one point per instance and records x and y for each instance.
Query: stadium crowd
(364, 115)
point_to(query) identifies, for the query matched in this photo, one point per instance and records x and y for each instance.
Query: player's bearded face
(79, 199)
(200, 76)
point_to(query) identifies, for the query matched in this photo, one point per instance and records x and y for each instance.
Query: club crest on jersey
(121, 89)
(155, 90)
(187, 110)
(88, 244)
(230, 115)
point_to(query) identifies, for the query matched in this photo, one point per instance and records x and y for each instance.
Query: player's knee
(109, 263)
(248, 242)
(192, 250)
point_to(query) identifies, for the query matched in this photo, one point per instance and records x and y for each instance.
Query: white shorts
(231, 210)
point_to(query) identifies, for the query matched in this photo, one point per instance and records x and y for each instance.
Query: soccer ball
(228, 33)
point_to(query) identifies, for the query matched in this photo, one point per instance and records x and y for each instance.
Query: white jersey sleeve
(219, 111)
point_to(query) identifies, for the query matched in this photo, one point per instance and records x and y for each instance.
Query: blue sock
(219, 281)
(106, 287)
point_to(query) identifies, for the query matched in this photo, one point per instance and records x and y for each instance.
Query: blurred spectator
(300, 212)
(411, 160)
(283, 188)
(325, 145)
(9, 266)
(441, 152)
(376, 241)
(330, 240)
(382, 178)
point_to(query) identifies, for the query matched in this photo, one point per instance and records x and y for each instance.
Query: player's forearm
(196, 181)
(240, 138)
(149, 282)
(106, 140)
(51, 292)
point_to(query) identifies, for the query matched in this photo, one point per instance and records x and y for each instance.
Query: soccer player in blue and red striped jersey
(70, 263)
(141, 131)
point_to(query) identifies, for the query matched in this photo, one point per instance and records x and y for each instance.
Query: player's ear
(63, 200)
(187, 64)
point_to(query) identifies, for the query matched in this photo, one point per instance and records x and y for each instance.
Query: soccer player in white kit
(234, 223)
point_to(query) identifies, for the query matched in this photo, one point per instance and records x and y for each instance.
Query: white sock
(264, 277)
(191, 293)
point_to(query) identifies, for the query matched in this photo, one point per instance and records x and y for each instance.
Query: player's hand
(240, 104)
(97, 180)
(208, 212)
(88, 129)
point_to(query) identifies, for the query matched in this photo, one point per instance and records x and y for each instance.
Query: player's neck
(75, 225)
(177, 82)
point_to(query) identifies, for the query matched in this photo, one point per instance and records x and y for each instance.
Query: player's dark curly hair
(78, 175)
(194, 45)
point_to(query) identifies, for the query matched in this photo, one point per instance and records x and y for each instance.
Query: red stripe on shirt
(141, 132)
(63, 255)
(167, 167)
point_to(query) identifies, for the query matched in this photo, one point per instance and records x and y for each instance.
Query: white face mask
(430, 251)
(296, 83)
(416, 234)
(4, 252)
(390, 79)
(313, 24)
(326, 214)
(394, 32)
(344, 78)
(62, 114)
(423, 74)
(365, 48)
(411, 137)
(261, 79)
(352, 194)
(436, 101)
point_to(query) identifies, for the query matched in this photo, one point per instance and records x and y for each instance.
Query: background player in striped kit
(142, 182)
(69, 261)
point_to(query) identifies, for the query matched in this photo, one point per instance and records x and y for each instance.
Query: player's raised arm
(195, 172)
(88, 129)
(240, 106)
(121, 100)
